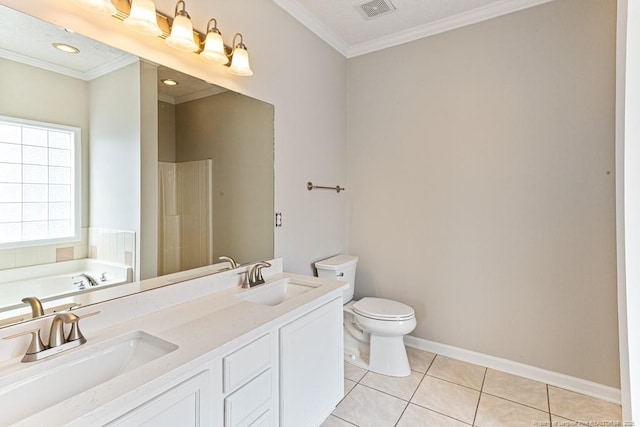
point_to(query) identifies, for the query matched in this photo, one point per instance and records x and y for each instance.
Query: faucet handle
(256, 273)
(245, 281)
(57, 338)
(75, 333)
(36, 345)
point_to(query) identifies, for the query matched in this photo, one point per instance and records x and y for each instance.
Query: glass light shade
(240, 62)
(104, 7)
(214, 49)
(181, 36)
(142, 18)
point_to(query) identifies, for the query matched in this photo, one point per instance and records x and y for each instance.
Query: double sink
(50, 382)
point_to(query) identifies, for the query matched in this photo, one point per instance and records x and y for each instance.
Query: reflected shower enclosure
(185, 223)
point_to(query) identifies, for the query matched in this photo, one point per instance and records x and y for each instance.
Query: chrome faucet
(91, 280)
(36, 306)
(57, 341)
(230, 260)
(255, 276)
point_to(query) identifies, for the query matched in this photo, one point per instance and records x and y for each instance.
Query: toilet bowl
(374, 328)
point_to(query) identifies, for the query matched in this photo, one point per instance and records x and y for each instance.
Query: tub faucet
(91, 280)
(255, 277)
(36, 306)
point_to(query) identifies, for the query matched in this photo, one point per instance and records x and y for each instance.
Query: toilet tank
(340, 267)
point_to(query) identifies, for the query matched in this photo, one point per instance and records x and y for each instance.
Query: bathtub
(55, 285)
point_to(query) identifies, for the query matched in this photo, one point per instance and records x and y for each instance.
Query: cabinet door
(311, 366)
(183, 405)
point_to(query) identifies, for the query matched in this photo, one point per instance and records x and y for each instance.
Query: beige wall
(236, 133)
(481, 183)
(308, 94)
(166, 132)
(36, 94)
(148, 247)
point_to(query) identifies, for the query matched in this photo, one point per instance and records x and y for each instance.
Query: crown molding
(119, 62)
(111, 66)
(191, 96)
(306, 18)
(493, 10)
(38, 63)
(451, 23)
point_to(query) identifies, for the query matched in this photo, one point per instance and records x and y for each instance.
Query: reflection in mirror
(172, 177)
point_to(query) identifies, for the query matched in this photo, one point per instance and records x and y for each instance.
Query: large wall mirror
(173, 172)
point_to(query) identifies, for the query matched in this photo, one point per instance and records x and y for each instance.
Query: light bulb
(142, 18)
(214, 48)
(181, 36)
(240, 62)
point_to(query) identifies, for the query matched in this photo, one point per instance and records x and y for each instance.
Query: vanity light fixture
(178, 32)
(142, 18)
(181, 36)
(240, 59)
(213, 50)
(104, 7)
(66, 48)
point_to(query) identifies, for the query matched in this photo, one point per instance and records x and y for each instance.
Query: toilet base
(389, 354)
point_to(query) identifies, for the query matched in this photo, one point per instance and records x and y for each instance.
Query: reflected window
(39, 183)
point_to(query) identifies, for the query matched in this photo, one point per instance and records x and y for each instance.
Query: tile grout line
(549, 404)
(453, 382)
(424, 407)
(515, 401)
(475, 414)
(348, 422)
(424, 374)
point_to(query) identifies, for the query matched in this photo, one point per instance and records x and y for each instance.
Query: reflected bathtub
(55, 285)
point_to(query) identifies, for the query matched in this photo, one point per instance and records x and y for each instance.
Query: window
(39, 183)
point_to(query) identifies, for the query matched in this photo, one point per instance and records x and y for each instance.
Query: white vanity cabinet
(187, 404)
(239, 389)
(290, 375)
(311, 366)
(250, 383)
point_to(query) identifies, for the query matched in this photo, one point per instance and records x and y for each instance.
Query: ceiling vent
(374, 8)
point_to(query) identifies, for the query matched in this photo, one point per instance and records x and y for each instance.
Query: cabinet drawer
(247, 405)
(245, 363)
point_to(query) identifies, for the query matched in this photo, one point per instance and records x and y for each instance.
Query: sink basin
(53, 380)
(277, 292)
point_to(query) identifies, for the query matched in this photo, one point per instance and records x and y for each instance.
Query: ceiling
(342, 25)
(29, 41)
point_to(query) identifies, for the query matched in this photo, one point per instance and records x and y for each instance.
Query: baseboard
(567, 382)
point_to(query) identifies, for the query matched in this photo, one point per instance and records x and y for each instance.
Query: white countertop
(203, 329)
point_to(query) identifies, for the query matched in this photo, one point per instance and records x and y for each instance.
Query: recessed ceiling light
(67, 48)
(170, 82)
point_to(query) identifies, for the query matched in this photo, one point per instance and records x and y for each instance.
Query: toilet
(374, 328)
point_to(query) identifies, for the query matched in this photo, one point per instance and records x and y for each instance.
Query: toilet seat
(383, 309)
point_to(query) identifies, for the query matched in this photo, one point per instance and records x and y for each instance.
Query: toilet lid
(383, 309)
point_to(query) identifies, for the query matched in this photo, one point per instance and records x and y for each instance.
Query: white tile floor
(446, 392)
